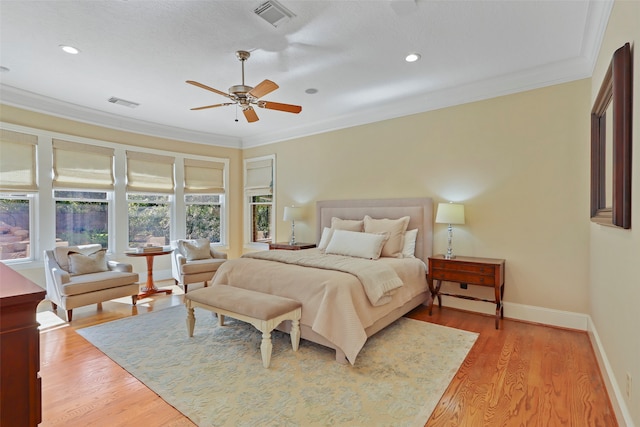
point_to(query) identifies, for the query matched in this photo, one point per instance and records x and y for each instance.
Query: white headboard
(419, 210)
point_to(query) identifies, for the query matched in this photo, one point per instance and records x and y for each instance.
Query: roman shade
(203, 177)
(258, 177)
(78, 165)
(149, 173)
(18, 161)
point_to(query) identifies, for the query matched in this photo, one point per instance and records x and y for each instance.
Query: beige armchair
(194, 261)
(81, 275)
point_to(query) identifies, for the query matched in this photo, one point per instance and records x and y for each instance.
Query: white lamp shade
(450, 213)
(292, 213)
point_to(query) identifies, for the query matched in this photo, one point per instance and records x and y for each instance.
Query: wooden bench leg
(220, 319)
(191, 320)
(265, 349)
(295, 334)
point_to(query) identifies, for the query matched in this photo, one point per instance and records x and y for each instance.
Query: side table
(295, 247)
(467, 271)
(150, 287)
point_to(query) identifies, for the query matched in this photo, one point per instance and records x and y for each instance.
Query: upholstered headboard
(419, 210)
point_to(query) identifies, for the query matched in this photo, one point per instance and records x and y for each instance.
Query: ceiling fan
(247, 96)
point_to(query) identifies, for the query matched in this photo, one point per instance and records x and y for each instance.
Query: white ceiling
(352, 52)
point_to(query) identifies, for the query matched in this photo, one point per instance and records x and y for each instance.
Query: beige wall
(519, 163)
(615, 253)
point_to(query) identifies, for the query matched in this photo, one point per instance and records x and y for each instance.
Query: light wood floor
(520, 375)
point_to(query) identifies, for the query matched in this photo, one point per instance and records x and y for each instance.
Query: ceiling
(351, 52)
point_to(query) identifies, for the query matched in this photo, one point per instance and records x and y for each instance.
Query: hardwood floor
(520, 375)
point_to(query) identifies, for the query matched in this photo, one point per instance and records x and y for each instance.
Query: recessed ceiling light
(70, 49)
(412, 57)
(311, 91)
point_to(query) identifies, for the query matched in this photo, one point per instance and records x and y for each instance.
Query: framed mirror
(611, 123)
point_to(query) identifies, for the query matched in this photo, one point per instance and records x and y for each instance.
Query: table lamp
(450, 213)
(293, 214)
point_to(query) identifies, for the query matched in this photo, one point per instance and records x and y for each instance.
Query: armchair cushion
(92, 282)
(201, 266)
(61, 254)
(195, 249)
(85, 264)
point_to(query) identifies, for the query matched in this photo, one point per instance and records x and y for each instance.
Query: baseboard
(527, 313)
(615, 393)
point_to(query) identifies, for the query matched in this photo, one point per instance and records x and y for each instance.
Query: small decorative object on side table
(150, 287)
(289, 247)
(467, 271)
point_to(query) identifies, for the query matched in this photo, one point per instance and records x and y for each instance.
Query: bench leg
(191, 320)
(265, 349)
(295, 334)
(220, 319)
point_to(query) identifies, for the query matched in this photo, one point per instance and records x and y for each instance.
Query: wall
(615, 253)
(519, 163)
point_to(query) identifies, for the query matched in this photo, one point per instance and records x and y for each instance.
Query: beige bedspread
(378, 279)
(334, 303)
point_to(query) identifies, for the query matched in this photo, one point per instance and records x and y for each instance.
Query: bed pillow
(86, 264)
(347, 224)
(195, 249)
(327, 233)
(356, 244)
(409, 248)
(395, 228)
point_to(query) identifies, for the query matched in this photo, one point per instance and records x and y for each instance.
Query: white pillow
(395, 228)
(409, 249)
(195, 249)
(85, 264)
(347, 224)
(326, 238)
(356, 244)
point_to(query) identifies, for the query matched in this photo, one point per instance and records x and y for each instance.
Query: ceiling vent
(123, 102)
(274, 13)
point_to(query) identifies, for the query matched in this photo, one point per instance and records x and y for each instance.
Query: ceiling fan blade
(281, 107)
(205, 87)
(211, 106)
(263, 88)
(250, 114)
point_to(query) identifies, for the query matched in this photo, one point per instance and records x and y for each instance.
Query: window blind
(78, 165)
(259, 177)
(18, 161)
(202, 176)
(149, 173)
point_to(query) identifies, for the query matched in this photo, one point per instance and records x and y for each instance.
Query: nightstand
(467, 271)
(286, 246)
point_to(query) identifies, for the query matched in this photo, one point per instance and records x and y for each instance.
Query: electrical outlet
(628, 386)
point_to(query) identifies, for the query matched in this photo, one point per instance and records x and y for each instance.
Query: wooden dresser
(20, 387)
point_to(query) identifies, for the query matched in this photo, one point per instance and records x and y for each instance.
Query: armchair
(194, 261)
(81, 275)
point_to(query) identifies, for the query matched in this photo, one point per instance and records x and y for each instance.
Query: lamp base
(449, 256)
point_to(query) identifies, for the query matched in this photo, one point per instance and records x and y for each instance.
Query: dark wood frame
(616, 90)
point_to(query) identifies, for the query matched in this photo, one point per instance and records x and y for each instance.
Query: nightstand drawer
(464, 277)
(463, 266)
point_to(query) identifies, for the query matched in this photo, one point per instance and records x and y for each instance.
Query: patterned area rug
(216, 377)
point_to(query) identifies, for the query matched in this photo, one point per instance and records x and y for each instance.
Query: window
(19, 186)
(149, 219)
(15, 226)
(261, 209)
(203, 199)
(82, 217)
(258, 189)
(150, 186)
(203, 216)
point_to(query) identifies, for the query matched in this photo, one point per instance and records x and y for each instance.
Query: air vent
(274, 13)
(123, 102)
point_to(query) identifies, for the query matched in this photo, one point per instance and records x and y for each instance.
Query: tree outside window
(149, 219)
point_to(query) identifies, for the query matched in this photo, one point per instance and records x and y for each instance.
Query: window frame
(109, 195)
(247, 204)
(33, 243)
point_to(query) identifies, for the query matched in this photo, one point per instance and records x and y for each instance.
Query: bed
(336, 310)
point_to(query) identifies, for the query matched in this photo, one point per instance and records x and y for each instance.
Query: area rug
(216, 377)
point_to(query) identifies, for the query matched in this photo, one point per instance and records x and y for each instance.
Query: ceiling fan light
(412, 57)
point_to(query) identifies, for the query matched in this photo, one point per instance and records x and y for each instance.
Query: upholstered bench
(264, 311)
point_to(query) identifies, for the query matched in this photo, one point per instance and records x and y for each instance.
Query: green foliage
(203, 221)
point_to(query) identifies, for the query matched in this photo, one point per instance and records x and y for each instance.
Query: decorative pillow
(327, 233)
(85, 264)
(395, 228)
(195, 249)
(347, 224)
(356, 244)
(409, 249)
